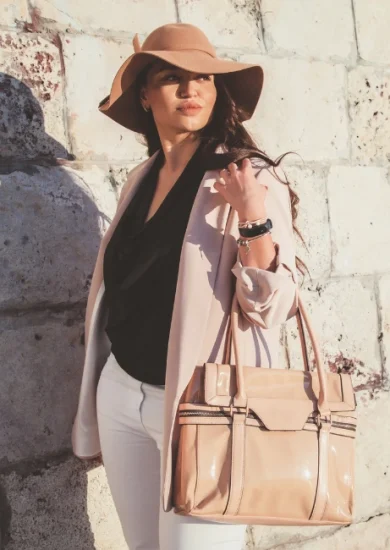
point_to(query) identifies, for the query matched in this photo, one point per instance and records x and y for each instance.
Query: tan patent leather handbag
(266, 446)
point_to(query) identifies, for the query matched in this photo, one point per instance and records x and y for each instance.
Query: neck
(178, 152)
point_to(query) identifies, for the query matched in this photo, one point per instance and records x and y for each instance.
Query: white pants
(130, 419)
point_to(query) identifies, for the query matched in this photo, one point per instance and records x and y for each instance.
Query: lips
(189, 106)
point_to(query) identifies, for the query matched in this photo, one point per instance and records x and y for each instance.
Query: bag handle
(302, 338)
(240, 399)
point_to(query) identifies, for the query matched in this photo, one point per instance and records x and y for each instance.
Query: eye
(170, 76)
(204, 77)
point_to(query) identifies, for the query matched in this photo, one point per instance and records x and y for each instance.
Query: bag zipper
(199, 412)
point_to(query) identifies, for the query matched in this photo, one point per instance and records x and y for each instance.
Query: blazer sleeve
(269, 298)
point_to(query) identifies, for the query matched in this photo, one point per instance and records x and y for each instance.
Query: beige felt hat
(187, 47)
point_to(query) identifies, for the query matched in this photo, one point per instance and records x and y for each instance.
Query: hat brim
(243, 80)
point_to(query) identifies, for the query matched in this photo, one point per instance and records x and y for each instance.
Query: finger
(224, 174)
(232, 167)
(220, 186)
(222, 179)
(246, 164)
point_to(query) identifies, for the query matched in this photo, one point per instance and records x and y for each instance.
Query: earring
(145, 108)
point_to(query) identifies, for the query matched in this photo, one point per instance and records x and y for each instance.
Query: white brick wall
(326, 97)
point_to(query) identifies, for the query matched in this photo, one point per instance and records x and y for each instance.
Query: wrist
(255, 230)
(251, 214)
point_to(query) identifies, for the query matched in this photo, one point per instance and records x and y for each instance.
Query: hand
(242, 190)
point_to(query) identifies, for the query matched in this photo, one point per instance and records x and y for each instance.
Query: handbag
(266, 446)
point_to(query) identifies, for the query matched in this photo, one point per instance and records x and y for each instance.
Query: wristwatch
(256, 230)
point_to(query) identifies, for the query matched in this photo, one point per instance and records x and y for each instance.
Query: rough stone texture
(61, 506)
(283, 356)
(302, 109)
(372, 29)
(384, 301)
(31, 98)
(122, 15)
(94, 135)
(369, 110)
(13, 11)
(118, 176)
(372, 460)
(344, 316)
(309, 28)
(228, 23)
(374, 535)
(62, 166)
(40, 356)
(312, 220)
(51, 266)
(359, 228)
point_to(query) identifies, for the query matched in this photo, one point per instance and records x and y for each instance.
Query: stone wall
(326, 97)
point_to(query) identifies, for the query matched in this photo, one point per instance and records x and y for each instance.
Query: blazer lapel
(199, 261)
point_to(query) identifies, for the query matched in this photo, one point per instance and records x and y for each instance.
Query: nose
(188, 87)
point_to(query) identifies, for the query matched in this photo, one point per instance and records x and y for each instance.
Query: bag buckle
(246, 410)
(326, 419)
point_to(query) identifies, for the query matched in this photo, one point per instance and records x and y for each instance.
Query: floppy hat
(186, 47)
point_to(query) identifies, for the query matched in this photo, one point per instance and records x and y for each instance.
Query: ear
(143, 95)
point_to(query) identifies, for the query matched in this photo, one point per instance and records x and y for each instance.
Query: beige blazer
(209, 271)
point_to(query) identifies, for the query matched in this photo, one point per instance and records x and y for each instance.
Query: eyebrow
(167, 68)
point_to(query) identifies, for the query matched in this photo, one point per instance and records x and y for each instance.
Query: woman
(167, 268)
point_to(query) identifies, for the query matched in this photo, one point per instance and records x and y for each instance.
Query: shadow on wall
(49, 236)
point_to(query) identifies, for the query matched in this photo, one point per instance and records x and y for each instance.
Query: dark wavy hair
(224, 128)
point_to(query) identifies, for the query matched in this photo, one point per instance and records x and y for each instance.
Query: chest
(163, 188)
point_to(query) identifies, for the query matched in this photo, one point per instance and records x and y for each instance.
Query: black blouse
(140, 271)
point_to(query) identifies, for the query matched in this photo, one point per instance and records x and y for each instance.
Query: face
(181, 101)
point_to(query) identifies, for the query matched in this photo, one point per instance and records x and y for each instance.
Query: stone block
(41, 358)
(283, 355)
(130, 17)
(31, 98)
(344, 316)
(372, 480)
(312, 220)
(227, 24)
(372, 29)
(373, 534)
(384, 336)
(118, 175)
(309, 28)
(369, 110)
(273, 537)
(359, 205)
(91, 64)
(302, 109)
(52, 220)
(13, 12)
(61, 506)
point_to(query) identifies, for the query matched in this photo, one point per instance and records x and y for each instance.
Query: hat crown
(176, 37)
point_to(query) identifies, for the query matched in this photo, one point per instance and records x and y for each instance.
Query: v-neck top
(140, 270)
